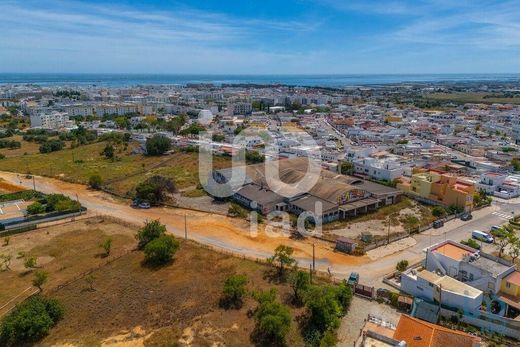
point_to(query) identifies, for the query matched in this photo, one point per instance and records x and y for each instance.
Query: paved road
(233, 236)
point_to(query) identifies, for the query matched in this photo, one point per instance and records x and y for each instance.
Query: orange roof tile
(418, 333)
(514, 278)
(452, 251)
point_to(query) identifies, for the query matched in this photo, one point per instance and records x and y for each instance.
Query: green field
(122, 175)
(481, 98)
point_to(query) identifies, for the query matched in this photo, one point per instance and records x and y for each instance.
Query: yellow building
(511, 284)
(441, 187)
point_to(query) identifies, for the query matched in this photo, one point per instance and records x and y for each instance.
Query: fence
(364, 291)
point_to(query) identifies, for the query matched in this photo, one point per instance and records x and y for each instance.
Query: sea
(332, 81)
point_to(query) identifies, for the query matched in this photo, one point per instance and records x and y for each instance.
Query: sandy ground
(353, 322)
(12, 210)
(375, 227)
(228, 234)
(392, 248)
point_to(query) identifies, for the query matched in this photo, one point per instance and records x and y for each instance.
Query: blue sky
(260, 37)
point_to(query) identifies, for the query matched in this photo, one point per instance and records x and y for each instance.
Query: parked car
(482, 236)
(353, 279)
(383, 293)
(495, 227)
(135, 203)
(145, 205)
(438, 224)
(466, 216)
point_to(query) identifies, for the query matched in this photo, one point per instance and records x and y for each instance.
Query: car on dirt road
(353, 279)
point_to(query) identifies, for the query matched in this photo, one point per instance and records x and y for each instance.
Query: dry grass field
(132, 304)
(121, 176)
(63, 251)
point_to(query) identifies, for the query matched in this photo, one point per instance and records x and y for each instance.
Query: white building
(239, 108)
(380, 169)
(53, 121)
(477, 269)
(500, 184)
(448, 291)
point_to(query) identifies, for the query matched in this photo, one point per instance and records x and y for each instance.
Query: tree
(502, 238)
(438, 211)
(401, 265)
(160, 250)
(283, 257)
(254, 157)
(514, 247)
(323, 309)
(346, 168)
(158, 145)
(106, 245)
(30, 263)
(95, 181)
(329, 339)
(151, 231)
(35, 208)
(40, 277)
(344, 295)
(273, 321)
(300, 282)
(454, 209)
(29, 321)
(109, 151)
(154, 189)
(233, 292)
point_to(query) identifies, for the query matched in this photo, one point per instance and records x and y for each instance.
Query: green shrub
(233, 292)
(30, 321)
(160, 250)
(151, 231)
(35, 208)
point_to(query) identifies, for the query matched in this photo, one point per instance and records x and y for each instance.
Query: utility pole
(34, 183)
(313, 258)
(185, 227)
(310, 271)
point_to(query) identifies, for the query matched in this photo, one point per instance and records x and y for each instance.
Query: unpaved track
(222, 232)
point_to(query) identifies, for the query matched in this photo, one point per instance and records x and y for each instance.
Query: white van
(482, 236)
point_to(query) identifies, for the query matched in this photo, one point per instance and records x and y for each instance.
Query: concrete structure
(53, 121)
(441, 187)
(477, 269)
(500, 184)
(380, 169)
(448, 291)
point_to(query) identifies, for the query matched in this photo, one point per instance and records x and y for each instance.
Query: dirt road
(229, 234)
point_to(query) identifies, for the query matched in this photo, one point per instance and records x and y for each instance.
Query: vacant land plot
(64, 251)
(121, 175)
(78, 164)
(26, 147)
(132, 303)
(183, 168)
(403, 215)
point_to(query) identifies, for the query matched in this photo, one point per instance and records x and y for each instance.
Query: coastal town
(414, 207)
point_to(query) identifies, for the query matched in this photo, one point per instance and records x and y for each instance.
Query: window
(508, 285)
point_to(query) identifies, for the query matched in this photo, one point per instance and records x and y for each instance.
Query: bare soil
(132, 304)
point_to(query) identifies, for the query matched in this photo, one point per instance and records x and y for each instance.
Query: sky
(260, 37)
